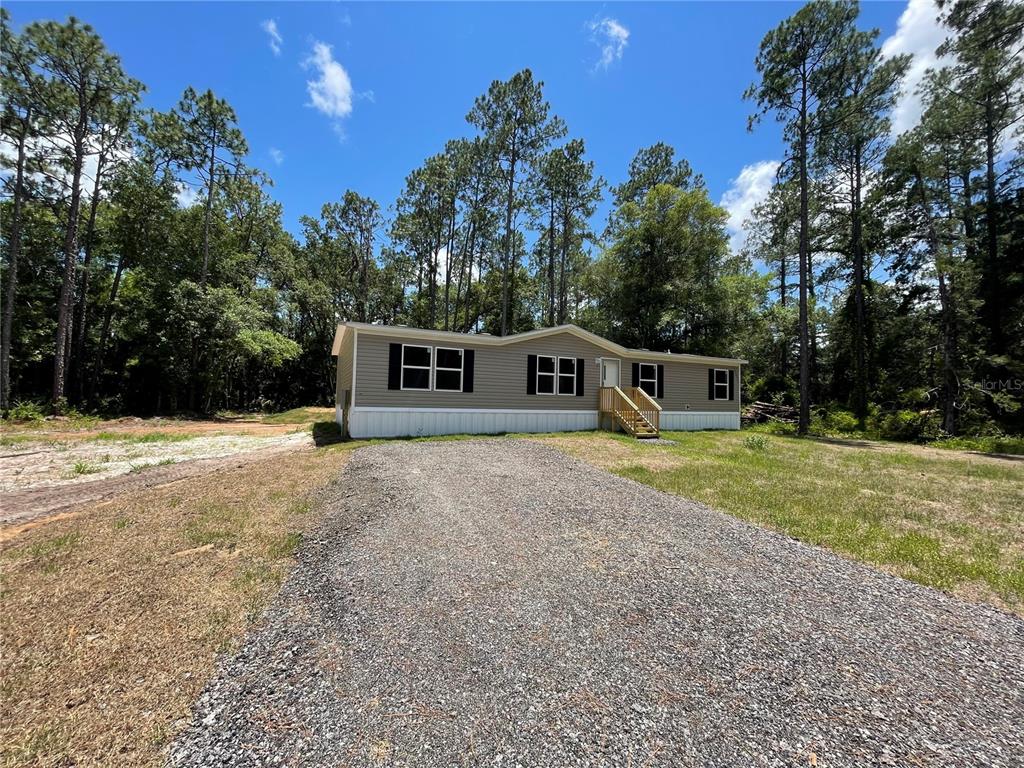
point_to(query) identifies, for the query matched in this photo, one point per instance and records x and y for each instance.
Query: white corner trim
(355, 357)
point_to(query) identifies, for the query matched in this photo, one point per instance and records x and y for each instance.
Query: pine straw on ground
(112, 618)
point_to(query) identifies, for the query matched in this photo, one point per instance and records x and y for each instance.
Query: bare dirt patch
(43, 472)
(113, 617)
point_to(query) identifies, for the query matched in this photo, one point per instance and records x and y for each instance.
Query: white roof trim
(339, 336)
(498, 341)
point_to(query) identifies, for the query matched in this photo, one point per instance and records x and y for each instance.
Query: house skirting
(366, 421)
(691, 420)
(411, 422)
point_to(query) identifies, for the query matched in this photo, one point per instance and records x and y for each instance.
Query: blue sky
(392, 82)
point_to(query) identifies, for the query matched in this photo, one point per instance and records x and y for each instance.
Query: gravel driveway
(495, 602)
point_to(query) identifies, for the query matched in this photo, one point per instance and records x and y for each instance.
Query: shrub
(26, 410)
(756, 442)
(905, 425)
(835, 421)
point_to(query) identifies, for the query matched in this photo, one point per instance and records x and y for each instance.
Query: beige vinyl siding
(345, 360)
(500, 377)
(686, 385)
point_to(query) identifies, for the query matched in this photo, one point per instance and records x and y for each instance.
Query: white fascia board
(498, 341)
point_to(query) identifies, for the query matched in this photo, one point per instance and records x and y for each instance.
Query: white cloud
(276, 155)
(611, 37)
(746, 191)
(919, 33)
(52, 150)
(331, 93)
(276, 41)
(186, 196)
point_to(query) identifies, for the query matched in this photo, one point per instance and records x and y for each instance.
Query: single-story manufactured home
(395, 381)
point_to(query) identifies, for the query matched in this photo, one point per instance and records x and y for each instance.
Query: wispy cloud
(611, 37)
(918, 32)
(276, 41)
(331, 92)
(276, 155)
(745, 191)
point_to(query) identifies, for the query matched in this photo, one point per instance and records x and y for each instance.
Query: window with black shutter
(546, 367)
(416, 367)
(448, 369)
(648, 378)
(567, 375)
(719, 389)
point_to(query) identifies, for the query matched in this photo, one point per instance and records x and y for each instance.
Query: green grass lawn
(949, 520)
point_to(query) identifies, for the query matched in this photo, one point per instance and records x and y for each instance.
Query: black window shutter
(395, 366)
(531, 374)
(711, 383)
(732, 379)
(661, 381)
(468, 358)
(636, 374)
(579, 377)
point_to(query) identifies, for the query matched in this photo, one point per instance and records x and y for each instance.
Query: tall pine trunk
(82, 312)
(947, 308)
(804, 421)
(448, 261)
(562, 268)
(992, 276)
(506, 267)
(551, 260)
(67, 289)
(860, 331)
(13, 251)
(108, 316)
(208, 213)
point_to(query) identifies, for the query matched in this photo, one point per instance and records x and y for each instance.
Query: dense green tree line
(905, 253)
(146, 268)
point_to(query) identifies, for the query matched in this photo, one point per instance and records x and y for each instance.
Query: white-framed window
(416, 366)
(649, 378)
(721, 384)
(567, 375)
(448, 366)
(546, 374)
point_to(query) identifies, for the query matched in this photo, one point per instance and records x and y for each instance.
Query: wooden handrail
(648, 398)
(626, 397)
(622, 406)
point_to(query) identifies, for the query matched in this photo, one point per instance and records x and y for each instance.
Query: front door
(609, 373)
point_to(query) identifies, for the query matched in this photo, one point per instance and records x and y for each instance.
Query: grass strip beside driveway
(948, 520)
(112, 618)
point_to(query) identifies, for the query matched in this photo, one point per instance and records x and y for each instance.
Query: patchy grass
(951, 521)
(8, 440)
(134, 469)
(112, 618)
(296, 416)
(85, 468)
(1006, 445)
(145, 437)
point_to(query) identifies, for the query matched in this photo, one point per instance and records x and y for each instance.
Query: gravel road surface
(495, 602)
